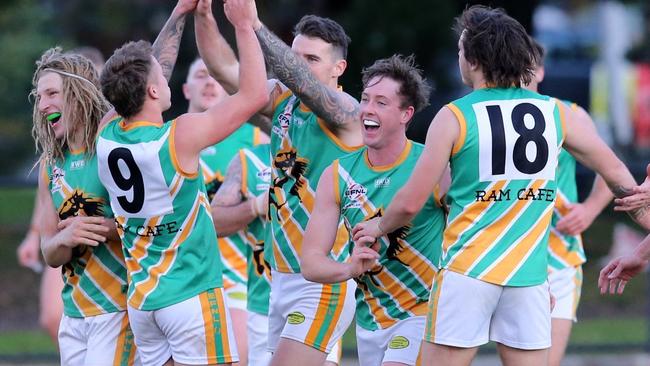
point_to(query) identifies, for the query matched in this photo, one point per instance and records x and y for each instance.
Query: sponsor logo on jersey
(78, 164)
(382, 182)
(354, 194)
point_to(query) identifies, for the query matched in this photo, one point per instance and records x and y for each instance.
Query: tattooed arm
(583, 142)
(165, 48)
(231, 210)
(338, 110)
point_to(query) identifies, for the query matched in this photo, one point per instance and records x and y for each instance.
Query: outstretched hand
(204, 8)
(615, 275)
(639, 197)
(184, 7)
(241, 13)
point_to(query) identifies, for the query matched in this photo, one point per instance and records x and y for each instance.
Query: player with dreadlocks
(76, 225)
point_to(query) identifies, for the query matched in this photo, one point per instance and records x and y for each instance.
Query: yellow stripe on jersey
(506, 267)
(142, 289)
(475, 248)
(172, 152)
(463, 221)
(84, 302)
(139, 249)
(107, 282)
(336, 188)
(236, 260)
(462, 125)
(378, 311)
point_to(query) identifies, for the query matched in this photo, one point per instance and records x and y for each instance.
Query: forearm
(400, 212)
(252, 71)
(318, 267)
(295, 74)
(165, 48)
(620, 182)
(599, 197)
(643, 249)
(215, 51)
(231, 219)
(55, 253)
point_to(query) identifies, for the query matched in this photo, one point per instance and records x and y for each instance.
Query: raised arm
(320, 236)
(338, 110)
(165, 48)
(428, 171)
(583, 142)
(231, 210)
(195, 131)
(215, 51)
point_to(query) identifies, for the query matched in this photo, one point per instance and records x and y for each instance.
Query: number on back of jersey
(518, 139)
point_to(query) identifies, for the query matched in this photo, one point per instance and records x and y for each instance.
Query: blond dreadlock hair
(83, 103)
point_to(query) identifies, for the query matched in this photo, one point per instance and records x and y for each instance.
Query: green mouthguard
(53, 116)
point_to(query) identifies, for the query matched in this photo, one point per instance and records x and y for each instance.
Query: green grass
(16, 206)
(25, 342)
(613, 330)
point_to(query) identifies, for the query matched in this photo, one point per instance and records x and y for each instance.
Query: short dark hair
(414, 89)
(326, 29)
(498, 44)
(125, 75)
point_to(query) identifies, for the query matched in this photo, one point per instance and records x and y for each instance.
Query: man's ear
(407, 114)
(339, 67)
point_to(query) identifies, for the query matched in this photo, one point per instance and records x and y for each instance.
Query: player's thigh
(110, 340)
(460, 310)
(522, 319)
(258, 328)
(199, 330)
(398, 344)
(311, 313)
(566, 286)
(72, 340)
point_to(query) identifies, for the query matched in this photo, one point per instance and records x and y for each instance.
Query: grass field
(603, 321)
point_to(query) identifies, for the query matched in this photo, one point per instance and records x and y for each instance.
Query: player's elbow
(309, 267)
(260, 97)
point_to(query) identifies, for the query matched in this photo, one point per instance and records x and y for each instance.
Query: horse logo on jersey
(393, 251)
(79, 203)
(292, 166)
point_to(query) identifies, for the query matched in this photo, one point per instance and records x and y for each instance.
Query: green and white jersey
(256, 176)
(214, 162)
(95, 279)
(398, 286)
(503, 185)
(163, 214)
(565, 250)
(301, 148)
(215, 159)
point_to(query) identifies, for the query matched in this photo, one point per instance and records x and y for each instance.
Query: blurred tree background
(377, 28)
